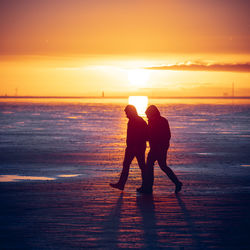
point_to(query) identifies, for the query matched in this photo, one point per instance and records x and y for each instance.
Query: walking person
(136, 146)
(159, 136)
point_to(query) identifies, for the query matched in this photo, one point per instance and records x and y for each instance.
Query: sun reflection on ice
(140, 102)
(11, 178)
(67, 175)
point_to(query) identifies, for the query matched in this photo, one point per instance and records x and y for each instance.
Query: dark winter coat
(158, 132)
(136, 132)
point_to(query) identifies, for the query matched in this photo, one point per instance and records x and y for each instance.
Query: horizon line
(124, 97)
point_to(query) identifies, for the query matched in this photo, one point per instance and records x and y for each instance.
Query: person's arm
(168, 130)
(132, 134)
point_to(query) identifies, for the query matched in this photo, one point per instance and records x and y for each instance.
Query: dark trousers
(130, 154)
(159, 155)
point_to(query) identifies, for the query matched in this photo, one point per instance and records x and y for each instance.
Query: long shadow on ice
(111, 231)
(145, 204)
(190, 223)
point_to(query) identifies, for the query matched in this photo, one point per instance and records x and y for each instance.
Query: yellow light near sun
(140, 102)
(138, 77)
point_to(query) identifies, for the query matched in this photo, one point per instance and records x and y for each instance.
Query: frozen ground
(65, 154)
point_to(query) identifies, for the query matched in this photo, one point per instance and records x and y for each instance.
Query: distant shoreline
(123, 97)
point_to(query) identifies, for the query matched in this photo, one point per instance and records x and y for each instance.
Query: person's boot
(175, 180)
(144, 190)
(116, 185)
(178, 187)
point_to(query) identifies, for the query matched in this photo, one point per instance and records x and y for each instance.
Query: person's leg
(140, 156)
(149, 171)
(162, 161)
(128, 157)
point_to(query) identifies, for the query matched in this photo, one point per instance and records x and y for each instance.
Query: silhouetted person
(159, 136)
(136, 145)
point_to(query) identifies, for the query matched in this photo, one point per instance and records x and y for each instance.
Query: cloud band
(240, 67)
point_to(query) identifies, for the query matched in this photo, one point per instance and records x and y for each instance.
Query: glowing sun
(138, 77)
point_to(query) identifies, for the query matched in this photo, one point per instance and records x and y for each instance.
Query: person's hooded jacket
(158, 129)
(136, 131)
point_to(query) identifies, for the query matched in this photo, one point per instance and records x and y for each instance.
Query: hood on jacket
(152, 111)
(130, 111)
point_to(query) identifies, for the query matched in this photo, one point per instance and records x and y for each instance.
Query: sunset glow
(123, 48)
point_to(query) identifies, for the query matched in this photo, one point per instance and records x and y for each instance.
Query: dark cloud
(227, 67)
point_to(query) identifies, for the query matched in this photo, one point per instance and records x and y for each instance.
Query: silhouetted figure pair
(158, 134)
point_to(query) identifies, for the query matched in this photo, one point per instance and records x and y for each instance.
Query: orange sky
(85, 47)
